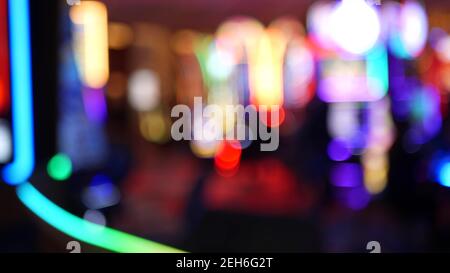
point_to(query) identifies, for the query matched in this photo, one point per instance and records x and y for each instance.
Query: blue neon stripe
(22, 99)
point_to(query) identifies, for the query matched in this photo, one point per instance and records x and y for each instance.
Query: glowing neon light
(444, 175)
(409, 39)
(5, 142)
(95, 104)
(355, 26)
(91, 47)
(377, 71)
(59, 167)
(293, 60)
(4, 59)
(318, 23)
(228, 157)
(246, 41)
(380, 137)
(349, 188)
(19, 28)
(266, 70)
(91, 42)
(298, 75)
(440, 168)
(85, 231)
(350, 80)
(144, 90)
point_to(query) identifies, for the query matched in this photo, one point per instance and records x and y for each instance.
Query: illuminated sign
(355, 80)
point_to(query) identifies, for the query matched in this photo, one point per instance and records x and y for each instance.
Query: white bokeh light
(5, 142)
(443, 49)
(355, 26)
(144, 90)
(414, 26)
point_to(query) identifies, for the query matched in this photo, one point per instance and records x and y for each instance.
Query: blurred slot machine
(353, 69)
(51, 91)
(84, 72)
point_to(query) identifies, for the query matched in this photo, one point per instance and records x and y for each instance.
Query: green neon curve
(85, 231)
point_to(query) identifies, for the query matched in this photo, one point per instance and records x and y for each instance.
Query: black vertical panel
(44, 28)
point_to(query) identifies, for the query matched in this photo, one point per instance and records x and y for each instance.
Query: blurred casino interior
(364, 153)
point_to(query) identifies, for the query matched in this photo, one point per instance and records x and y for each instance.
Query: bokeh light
(355, 26)
(59, 167)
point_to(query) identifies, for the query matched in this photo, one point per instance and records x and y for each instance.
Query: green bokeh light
(59, 167)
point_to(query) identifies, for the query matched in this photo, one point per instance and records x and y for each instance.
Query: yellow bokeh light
(120, 35)
(376, 167)
(91, 42)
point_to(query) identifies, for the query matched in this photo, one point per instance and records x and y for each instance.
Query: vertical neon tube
(22, 104)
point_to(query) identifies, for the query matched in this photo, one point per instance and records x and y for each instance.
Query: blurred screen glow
(5, 142)
(444, 175)
(380, 138)
(299, 73)
(95, 217)
(228, 157)
(82, 110)
(120, 35)
(338, 150)
(440, 168)
(91, 20)
(318, 23)
(355, 80)
(266, 70)
(355, 26)
(409, 34)
(144, 90)
(346, 175)
(94, 104)
(101, 193)
(443, 49)
(4, 58)
(5, 119)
